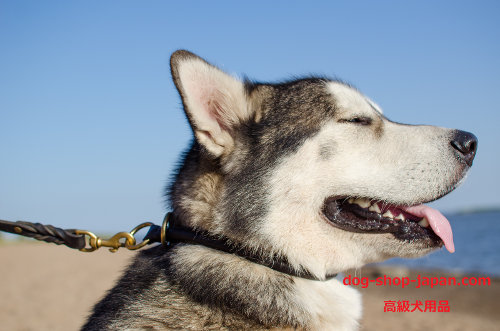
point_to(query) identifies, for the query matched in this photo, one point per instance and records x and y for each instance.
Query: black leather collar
(170, 233)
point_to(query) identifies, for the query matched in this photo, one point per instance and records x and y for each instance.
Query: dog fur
(264, 160)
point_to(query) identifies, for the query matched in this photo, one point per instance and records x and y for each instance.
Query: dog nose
(466, 144)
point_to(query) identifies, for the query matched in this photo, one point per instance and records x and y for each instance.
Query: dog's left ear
(215, 102)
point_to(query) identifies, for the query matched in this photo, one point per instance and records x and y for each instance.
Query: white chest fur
(331, 305)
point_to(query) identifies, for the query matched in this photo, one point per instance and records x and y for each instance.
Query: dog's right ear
(214, 102)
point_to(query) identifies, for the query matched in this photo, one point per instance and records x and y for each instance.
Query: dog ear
(214, 102)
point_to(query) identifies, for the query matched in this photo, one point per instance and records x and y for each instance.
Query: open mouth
(408, 223)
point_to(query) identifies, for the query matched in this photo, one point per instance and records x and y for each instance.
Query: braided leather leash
(76, 238)
(47, 233)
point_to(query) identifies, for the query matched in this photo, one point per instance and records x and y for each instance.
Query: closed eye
(360, 120)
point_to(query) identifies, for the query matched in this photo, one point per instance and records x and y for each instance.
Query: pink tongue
(437, 221)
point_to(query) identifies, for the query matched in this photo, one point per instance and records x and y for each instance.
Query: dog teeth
(400, 217)
(388, 214)
(375, 208)
(363, 203)
(424, 222)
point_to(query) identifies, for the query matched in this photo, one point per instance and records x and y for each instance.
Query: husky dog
(308, 171)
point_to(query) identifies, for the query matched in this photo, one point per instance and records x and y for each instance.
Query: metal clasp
(115, 241)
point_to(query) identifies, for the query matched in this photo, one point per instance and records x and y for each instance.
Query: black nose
(466, 144)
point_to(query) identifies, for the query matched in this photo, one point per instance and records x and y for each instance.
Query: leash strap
(76, 238)
(168, 234)
(46, 233)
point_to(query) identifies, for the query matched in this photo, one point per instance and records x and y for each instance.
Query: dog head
(312, 170)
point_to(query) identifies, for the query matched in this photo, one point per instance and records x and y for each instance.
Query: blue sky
(91, 125)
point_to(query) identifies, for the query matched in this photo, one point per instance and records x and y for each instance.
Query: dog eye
(358, 120)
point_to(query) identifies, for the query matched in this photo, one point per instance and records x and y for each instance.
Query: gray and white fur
(264, 160)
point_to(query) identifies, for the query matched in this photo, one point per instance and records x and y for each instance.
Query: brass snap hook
(115, 242)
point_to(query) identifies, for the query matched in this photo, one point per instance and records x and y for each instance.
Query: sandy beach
(46, 287)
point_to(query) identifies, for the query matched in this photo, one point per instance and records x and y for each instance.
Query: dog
(308, 172)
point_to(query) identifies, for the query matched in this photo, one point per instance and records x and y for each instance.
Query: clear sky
(91, 125)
